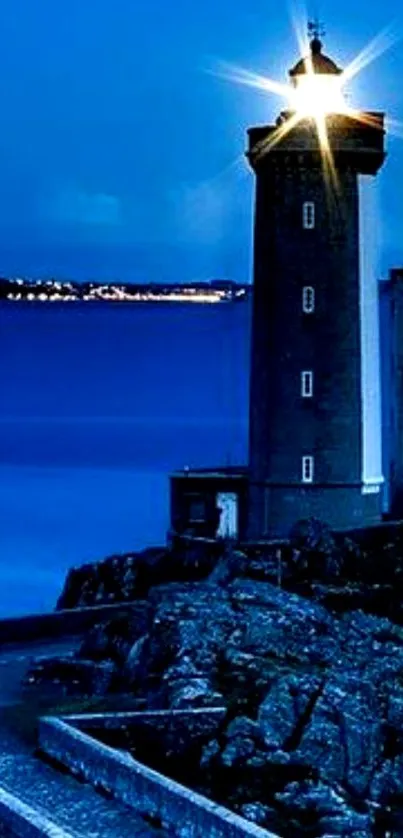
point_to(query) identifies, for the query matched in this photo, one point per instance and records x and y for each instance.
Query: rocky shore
(303, 644)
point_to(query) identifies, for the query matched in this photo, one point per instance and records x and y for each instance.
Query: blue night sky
(121, 154)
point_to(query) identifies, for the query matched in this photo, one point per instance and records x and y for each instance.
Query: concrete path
(69, 804)
(16, 658)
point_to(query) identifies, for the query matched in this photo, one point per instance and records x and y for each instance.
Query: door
(227, 504)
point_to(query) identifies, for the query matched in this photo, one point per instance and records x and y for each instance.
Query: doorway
(227, 504)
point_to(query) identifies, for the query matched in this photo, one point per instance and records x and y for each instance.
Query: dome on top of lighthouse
(320, 64)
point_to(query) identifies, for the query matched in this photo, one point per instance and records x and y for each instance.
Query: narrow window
(308, 215)
(307, 384)
(308, 299)
(196, 508)
(307, 469)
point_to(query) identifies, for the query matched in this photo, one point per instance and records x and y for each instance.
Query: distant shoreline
(54, 291)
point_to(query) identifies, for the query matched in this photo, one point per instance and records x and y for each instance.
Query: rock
(271, 562)
(135, 665)
(319, 803)
(375, 599)
(262, 815)
(275, 623)
(74, 585)
(96, 644)
(314, 699)
(120, 578)
(76, 676)
(355, 560)
(248, 592)
(232, 564)
(278, 758)
(238, 750)
(242, 736)
(257, 813)
(281, 712)
(316, 554)
(387, 783)
(257, 760)
(247, 664)
(312, 534)
(183, 669)
(190, 624)
(394, 712)
(242, 726)
(115, 638)
(343, 736)
(348, 823)
(271, 759)
(209, 753)
(197, 692)
(301, 797)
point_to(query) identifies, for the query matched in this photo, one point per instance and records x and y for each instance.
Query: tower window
(307, 469)
(308, 299)
(307, 384)
(308, 215)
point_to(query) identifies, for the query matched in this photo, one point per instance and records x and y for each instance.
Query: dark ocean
(98, 404)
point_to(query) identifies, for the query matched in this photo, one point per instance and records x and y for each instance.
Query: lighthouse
(315, 413)
(315, 429)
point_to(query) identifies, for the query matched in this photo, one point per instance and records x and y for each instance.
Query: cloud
(200, 212)
(85, 209)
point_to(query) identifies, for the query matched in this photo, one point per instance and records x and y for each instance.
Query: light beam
(315, 95)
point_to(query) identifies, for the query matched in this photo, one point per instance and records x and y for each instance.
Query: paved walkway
(16, 658)
(69, 804)
(74, 806)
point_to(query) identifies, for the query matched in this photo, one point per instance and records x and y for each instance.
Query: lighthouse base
(273, 510)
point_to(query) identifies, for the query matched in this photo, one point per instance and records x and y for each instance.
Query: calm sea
(98, 404)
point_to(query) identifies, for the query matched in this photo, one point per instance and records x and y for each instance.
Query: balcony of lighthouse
(347, 136)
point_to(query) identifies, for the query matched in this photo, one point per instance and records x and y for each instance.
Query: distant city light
(50, 291)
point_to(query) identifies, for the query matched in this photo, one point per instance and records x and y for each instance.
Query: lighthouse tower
(315, 433)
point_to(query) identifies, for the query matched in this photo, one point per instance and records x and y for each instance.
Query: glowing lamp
(316, 85)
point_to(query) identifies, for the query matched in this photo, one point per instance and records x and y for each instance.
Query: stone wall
(141, 788)
(197, 722)
(68, 622)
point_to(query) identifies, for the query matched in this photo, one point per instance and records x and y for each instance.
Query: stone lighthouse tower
(315, 435)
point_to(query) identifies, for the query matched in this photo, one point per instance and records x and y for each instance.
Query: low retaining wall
(22, 821)
(74, 621)
(200, 721)
(146, 791)
(377, 534)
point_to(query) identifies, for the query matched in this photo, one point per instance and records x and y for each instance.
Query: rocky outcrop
(313, 732)
(361, 570)
(312, 742)
(343, 733)
(324, 809)
(286, 707)
(130, 576)
(314, 702)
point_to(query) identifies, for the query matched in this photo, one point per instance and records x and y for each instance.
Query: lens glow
(317, 95)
